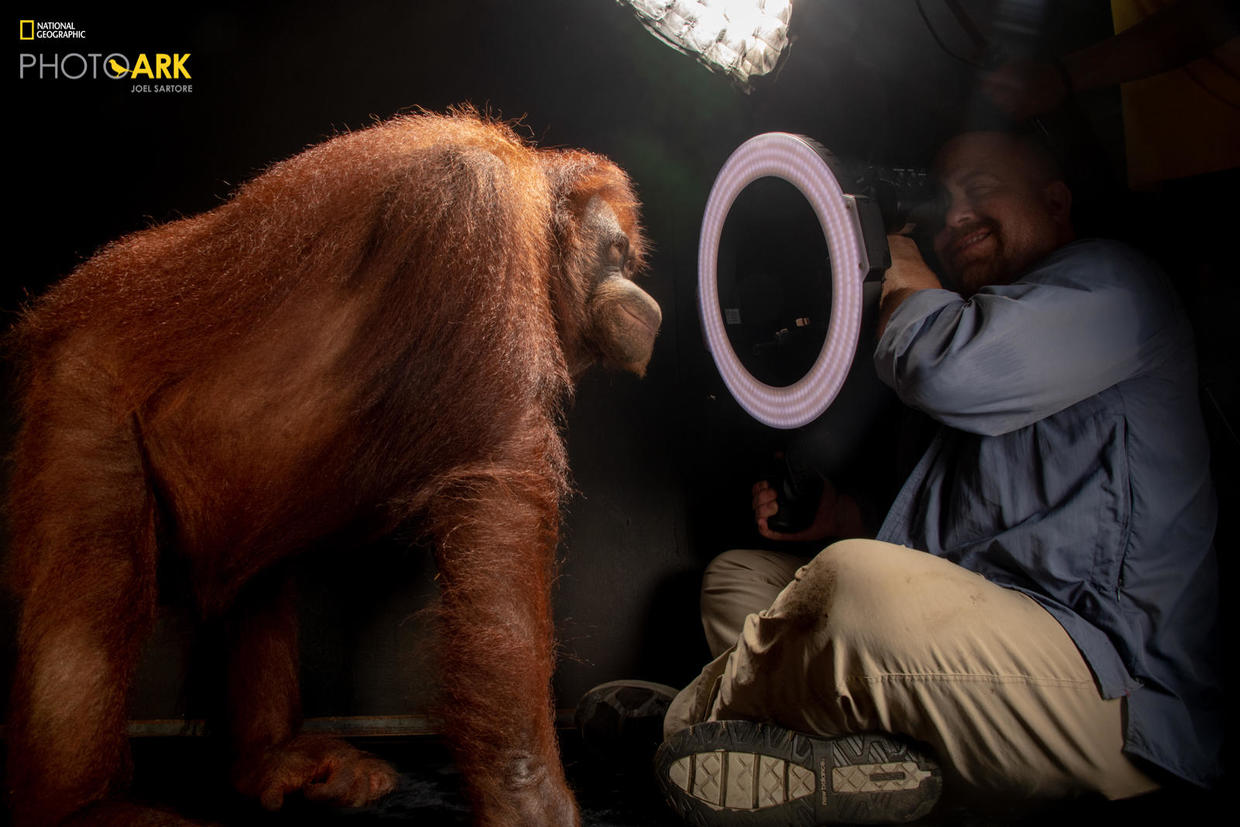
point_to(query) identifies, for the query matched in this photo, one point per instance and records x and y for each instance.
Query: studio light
(742, 38)
(802, 163)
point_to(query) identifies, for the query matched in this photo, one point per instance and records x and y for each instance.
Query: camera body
(798, 490)
(886, 201)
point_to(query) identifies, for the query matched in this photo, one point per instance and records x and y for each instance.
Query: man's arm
(907, 275)
(1086, 318)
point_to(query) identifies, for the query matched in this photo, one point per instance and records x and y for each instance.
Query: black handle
(797, 492)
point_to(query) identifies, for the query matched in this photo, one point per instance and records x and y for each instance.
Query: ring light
(802, 163)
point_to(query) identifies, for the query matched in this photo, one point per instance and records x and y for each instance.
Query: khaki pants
(872, 637)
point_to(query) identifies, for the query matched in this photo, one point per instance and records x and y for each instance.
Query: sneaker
(749, 773)
(624, 719)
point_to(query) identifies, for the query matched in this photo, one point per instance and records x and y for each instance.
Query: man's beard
(974, 257)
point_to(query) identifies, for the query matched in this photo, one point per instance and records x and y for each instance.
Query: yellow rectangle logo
(27, 30)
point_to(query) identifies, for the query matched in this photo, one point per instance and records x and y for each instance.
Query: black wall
(663, 464)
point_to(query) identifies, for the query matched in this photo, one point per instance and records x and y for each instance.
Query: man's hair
(1028, 145)
(1041, 159)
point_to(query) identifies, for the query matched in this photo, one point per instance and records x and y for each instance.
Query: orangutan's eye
(618, 252)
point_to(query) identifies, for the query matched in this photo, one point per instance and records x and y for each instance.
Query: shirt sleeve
(1089, 316)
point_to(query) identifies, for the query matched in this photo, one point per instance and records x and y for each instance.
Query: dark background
(663, 465)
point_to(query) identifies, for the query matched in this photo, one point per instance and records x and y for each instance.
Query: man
(1038, 607)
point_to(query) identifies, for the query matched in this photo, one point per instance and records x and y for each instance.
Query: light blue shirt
(1074, 467)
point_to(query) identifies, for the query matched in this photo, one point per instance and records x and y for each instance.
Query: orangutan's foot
(527, 793)
(323, 769)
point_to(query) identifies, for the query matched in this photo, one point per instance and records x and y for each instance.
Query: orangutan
(380, 332)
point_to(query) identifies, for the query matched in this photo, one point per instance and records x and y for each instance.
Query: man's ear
(1058, 200)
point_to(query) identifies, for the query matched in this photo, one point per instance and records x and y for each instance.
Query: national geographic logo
(50, 30)
(148, 73)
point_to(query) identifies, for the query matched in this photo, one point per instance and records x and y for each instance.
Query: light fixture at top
(741, 38)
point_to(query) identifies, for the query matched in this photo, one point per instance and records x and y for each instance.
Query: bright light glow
(743, 38)
(795, 159)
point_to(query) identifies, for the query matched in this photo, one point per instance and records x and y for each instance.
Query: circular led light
(798, 161)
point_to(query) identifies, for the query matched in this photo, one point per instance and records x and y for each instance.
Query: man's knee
(861, 593)
(850, 571)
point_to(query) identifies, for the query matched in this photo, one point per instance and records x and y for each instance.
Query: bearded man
(1036, 615)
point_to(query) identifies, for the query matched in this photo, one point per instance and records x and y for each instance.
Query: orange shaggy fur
(380, 330)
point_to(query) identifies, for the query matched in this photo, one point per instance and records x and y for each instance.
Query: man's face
(1002, 214)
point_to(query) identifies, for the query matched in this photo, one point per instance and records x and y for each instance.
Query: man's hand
(908, 274)
(837, 516)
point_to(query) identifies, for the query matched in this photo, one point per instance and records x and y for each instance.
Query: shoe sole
(654, 698)
(623, 720)
(748, 773)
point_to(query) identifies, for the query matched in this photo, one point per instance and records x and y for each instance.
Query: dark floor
(174, 772)
(429, 793)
